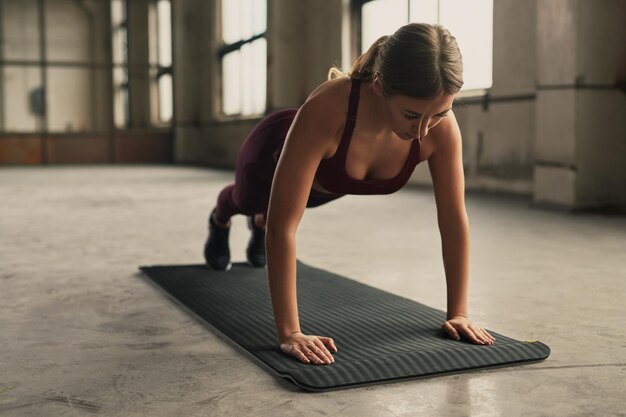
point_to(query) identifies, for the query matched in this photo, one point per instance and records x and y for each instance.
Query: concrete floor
(82, 333)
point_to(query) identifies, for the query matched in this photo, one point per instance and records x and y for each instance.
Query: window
(161, 51)
(243, 56)
(151, 77)
(63, 78)
(470, 22)
(21, 75)
(121, 111)
(51, 73)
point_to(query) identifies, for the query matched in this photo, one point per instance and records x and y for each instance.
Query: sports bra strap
(353, 106)
(354, 99)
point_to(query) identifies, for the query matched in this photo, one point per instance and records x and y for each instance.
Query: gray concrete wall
(305, 41)
(192, 38)
(581, 129)
(601, 127)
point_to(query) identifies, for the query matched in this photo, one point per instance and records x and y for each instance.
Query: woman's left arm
(446, 169)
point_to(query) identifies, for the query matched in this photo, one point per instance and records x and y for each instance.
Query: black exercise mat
(379, 336)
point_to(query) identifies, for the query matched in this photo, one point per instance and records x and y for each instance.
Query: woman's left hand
(460, 325)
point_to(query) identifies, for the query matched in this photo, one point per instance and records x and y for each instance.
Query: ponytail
(363, 67)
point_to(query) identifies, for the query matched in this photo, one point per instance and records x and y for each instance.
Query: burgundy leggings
(254, 170)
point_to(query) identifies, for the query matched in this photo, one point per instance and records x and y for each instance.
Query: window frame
(160, 70)
(222, 49)
(122, 88)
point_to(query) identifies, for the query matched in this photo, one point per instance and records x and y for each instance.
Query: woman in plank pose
(357, 133)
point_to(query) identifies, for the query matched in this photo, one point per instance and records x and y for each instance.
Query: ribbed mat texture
(380, 336)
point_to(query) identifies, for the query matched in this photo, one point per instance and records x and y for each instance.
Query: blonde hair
(419, 60)
(335, 72)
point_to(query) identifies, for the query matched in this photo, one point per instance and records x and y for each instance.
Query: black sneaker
(216, 250)
(256, 246)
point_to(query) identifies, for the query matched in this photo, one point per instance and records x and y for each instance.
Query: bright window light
(469, 21)
(231, 20)
(164, 18)
(244, 70)
(424, 11)
(166, 101)
(231, 81)
(164, 60)
(121, 109)
(381, 17)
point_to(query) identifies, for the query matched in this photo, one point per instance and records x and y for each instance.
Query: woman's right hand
(309, 348)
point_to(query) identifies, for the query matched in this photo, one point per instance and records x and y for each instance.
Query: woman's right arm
(309, 138)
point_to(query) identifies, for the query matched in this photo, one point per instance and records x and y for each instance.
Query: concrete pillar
(286, 61)
(138, 61)
(99, 14)
(501, 146)
(194, 56)
(304, 41)
(580, 139)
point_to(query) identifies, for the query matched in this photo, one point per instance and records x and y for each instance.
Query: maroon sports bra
(331, 173)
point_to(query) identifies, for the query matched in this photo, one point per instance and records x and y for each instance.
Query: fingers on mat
(300, 355)
(312, 355)
(487, 336)
(329, 342)
(451, 331)
(482, 335)
(323, 352)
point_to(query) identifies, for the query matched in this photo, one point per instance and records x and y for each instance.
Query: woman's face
(405, 113)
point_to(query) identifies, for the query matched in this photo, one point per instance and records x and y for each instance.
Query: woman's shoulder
(328, 102)
(445, 138)
(333, 90)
